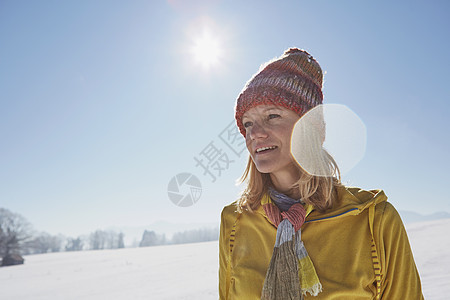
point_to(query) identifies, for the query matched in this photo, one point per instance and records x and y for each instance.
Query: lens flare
(335, 128)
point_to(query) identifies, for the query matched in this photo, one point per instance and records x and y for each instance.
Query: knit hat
(294, 80)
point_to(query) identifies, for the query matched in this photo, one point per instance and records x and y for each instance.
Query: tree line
(151, 238)
(17, 236)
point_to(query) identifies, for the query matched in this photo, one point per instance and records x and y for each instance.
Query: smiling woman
(294, 234)
(206, 50)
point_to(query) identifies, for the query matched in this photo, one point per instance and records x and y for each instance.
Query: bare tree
(151, 238)
(111, 239)
(43, 243)
(15, 232)
(196, 235)
(74, 244)
(106, 240)
(97, 240)
(56, 243)
(120, 242)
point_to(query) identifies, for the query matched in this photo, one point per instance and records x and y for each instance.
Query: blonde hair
(318, 191)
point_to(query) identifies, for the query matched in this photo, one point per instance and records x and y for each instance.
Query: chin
(270, 167)
(264, 168)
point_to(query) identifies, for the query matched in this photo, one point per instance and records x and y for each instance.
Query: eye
(248, 123)
(273, 116)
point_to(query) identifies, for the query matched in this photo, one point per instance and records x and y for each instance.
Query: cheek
(247, 141)
(287, 140)
(248, 144)
(287, 134)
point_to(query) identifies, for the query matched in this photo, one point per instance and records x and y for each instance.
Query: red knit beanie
(294, 80)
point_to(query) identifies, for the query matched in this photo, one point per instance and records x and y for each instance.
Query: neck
(284, 180)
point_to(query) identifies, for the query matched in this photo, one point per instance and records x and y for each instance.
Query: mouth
(262, 150)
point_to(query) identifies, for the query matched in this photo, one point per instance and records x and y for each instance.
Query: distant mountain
(413, 217)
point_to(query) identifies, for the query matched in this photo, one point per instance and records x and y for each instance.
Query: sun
(206, 50)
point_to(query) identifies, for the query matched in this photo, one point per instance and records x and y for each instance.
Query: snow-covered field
(430, 242)
(179, 271)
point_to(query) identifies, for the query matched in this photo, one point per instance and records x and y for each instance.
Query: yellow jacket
(359, 241)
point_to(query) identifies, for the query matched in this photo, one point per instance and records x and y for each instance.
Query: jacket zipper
(330, 217)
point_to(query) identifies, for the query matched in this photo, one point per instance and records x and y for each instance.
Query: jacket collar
(350, 201)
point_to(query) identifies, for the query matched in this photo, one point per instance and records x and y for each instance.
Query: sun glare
(206, 50)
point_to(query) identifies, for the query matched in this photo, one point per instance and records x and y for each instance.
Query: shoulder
(229, 213)
(353, 198)
(357, 195)
(385, 213)
(230, 209)
(388, 218)
(389, 232)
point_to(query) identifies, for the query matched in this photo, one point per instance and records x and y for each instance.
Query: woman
(295, 235)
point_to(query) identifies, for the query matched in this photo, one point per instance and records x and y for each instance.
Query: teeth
(265, 148)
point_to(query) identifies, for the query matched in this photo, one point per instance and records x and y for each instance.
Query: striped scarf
(291, 273)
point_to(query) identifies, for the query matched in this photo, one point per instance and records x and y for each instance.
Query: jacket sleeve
(400, 278)
(224, 256)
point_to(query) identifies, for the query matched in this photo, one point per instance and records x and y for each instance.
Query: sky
(104, 103)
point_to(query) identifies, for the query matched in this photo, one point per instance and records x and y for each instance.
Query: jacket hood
(350, 201)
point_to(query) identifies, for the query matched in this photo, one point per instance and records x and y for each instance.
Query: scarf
(291, 273)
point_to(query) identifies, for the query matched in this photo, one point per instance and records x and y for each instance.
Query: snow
(186, 271)
(430, 243)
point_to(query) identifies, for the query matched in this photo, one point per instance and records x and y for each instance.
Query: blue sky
(102, 102)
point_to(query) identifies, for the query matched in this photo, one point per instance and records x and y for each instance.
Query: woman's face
(268, 137)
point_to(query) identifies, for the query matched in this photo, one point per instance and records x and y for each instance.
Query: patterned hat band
(293, 81)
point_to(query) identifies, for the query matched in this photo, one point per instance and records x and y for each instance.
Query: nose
(256, 131)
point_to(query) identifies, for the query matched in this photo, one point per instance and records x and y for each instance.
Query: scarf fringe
(314, 290)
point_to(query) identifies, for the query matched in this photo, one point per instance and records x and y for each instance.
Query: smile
(259, 150)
